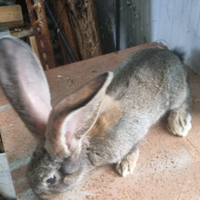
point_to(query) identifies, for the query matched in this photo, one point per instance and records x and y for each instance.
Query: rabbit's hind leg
(179, 118)
(128, 163)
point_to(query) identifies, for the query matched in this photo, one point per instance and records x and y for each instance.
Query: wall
(178, 23)
(174, 22)
(134, 23)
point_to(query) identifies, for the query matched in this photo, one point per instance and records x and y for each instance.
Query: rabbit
(101, 123)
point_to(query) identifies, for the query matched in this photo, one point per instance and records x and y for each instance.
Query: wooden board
(22, 32)
(168, 167)
(79, 23)
(11, 16)
(34, 45)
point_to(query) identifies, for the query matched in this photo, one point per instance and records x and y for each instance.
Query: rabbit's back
(150, 79)
(144, 88)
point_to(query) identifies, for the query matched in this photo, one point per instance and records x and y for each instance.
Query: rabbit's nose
(47, 196)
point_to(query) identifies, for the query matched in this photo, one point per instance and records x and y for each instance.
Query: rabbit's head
(48, 175)
(60, 159)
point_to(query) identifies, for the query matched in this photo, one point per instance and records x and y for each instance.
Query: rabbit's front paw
(127, 164)
(179, 123)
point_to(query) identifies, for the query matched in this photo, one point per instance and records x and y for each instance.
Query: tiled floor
(168, 167)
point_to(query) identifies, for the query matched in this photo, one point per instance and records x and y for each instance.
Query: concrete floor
(168, 167)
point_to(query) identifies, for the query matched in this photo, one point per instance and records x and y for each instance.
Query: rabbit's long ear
(74, 116)
(24, 84)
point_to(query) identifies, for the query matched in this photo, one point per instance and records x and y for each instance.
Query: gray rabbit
(102, 122)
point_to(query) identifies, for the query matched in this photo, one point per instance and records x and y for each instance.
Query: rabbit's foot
(179, 123)
(127, 164)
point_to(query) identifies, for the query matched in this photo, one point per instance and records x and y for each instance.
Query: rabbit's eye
(51, 180)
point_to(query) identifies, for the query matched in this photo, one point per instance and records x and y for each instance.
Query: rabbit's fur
(103, 122)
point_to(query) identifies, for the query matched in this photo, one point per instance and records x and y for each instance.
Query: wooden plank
(22, 32)
(34, 45)
(78, 19)
(83, 19)
(11, 16)
(156, 165)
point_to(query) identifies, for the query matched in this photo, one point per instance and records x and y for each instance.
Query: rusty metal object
(40, 28)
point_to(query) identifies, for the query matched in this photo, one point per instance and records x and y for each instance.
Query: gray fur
(150, 84)
(146, 86)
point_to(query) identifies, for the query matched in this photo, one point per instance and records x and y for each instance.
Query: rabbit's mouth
(47, 196)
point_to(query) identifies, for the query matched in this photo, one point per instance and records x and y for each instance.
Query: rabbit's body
(151, 83)
(103, 122)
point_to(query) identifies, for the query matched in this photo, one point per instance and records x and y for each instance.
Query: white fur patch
(127, 164)
(188, 126)
(175, 127)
